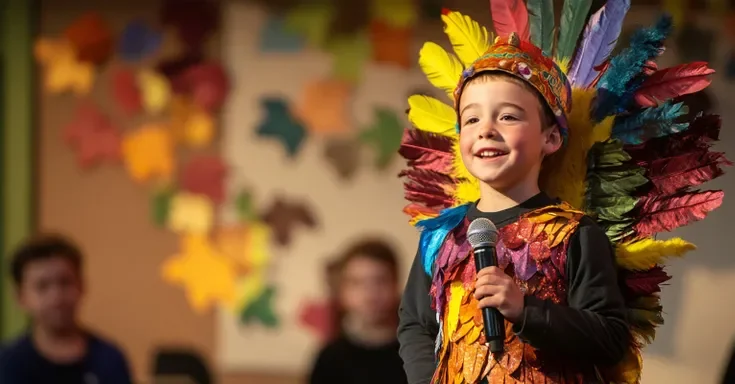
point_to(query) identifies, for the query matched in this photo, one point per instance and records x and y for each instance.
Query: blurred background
(212, 157)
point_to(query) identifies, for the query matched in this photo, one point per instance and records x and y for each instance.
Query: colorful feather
(510, 16)
(469, 39)
(541, 20)
(651, 122)
(673, 82)
(431, 115)
(674, 174)
(425, 150)
(573, 15)
(643, 254)
(443, 69)
(662, 214)
(644, 315)
(704, 130)
(600, 35)
(644, 283)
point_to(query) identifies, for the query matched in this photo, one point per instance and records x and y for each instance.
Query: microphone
(482, 236)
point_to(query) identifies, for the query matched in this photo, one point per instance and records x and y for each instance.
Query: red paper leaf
(193, 20)
(92, 136)
(125, 91)
(318, 316)
(205, 175)
(660, 214)
(91, 37)
(673, 82)
(206, 84)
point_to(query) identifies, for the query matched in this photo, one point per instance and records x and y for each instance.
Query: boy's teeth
(490, 153)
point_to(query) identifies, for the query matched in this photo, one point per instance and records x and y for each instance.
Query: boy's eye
(471, 120)
(508, 118)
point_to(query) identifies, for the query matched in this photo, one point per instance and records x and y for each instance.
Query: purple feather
(600, 35)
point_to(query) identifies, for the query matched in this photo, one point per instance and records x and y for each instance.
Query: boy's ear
(552, 140)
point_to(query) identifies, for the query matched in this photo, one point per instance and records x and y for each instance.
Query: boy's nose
(487, 131)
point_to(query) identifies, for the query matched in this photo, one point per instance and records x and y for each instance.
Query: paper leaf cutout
(283, 217)
(318, 317)
(92, 136)
(397, 13)
(311, 20)
(204, 175)
(206, 84)
(190, 213)
(247, 245)
(62, 70)
(344, 156)
(125, 91)
(276, 38)
(190, 124)
(138, 40)
(149, 152)
(384, 135)
(261, 310)
(282, 126)
(351, 53)
(91, 37)
(172, 68)
(232, 242)
(207, 276)
(392, 45)
(323, 106)
(161, 206)
(244, 207)
(155, 91)
(193, 20)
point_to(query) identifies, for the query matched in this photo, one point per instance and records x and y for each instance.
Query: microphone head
(482, 232)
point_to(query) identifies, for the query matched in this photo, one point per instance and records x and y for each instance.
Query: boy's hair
(43, 247)
(372, 249)
(548, 120)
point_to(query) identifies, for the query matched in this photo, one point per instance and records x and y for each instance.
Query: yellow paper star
(155, 91)
(63, 72)
(149, 152)
(208, 277)
(191, 125)
(190, 213)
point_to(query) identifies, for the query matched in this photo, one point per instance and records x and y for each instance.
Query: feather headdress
(634, 154)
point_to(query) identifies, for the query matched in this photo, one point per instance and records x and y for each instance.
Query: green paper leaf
(261, 310)
(280, 124)
(160, 206)
(244, 207)
(311, 21)
(384, 135)
(351, 53)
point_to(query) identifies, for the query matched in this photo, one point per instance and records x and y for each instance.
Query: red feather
(644, 283)
(666, 213)
(426, 187)
(701, 132)
(673, 82)
(414, 210)
(510, 16)
(673, 174)
(425, 150)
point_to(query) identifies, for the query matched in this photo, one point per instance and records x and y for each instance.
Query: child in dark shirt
(365, 349)
(47, 272)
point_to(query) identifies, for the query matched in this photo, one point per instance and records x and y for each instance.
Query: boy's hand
(495, 289)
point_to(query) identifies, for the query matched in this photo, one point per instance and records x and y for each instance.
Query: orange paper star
(149, 152)
(207, 276)
(323, 106)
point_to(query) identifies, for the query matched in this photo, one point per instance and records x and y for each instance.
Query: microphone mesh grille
(482, 231)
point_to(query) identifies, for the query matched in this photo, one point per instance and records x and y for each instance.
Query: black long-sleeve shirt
(591, 328)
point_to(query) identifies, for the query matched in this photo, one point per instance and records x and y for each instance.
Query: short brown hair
(372, 249)
(43, 247)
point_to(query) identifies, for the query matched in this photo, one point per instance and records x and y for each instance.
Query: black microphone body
(494, 322)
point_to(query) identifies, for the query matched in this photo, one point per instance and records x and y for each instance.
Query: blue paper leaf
(276, 38)
(280, 124)
(138, 40)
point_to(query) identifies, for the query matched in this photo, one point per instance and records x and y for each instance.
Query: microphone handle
(492, 319)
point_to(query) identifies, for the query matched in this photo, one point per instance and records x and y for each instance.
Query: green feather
(541, 18)
(573, 16)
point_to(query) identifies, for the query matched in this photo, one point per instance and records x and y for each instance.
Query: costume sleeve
(416, 333)
(593, 326)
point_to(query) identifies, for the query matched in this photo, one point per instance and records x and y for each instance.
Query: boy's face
(502, 139)
(50, 292)
(368, 290)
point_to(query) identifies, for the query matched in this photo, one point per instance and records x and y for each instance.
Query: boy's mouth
(489, 153)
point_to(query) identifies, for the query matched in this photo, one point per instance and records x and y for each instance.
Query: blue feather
(651, 122)
(435, 230)
(617, 82)
(600, 35)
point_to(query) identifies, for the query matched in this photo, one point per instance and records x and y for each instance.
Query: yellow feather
(443, 69)
(564, 64)
(469, 39)
(468, 187)
(563, 173)
(456, 294)
(644, 254)
(431, 115)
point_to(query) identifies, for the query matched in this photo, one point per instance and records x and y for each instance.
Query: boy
(511, 138)
(47, 272)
